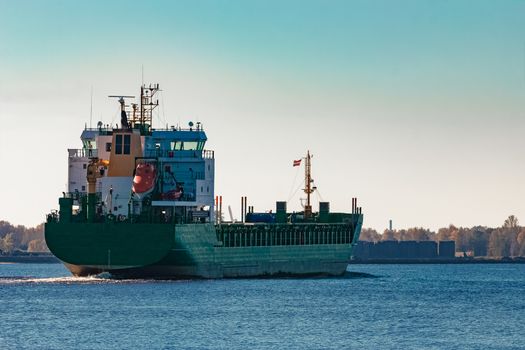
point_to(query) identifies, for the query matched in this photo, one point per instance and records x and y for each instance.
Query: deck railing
(92, 153)
(160, 153)
(82, 153)
(239, 236)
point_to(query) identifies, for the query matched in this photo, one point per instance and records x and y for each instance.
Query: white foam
(102, 278)
(50, 280)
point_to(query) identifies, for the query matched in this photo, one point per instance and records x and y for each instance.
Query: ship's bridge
(176, 143)
(185, 172)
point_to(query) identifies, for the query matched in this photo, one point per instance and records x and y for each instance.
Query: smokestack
(390, 225)
(216, 209)
(220, 209)
(245, 209)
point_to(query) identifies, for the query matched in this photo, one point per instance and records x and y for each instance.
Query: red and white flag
(297, 162)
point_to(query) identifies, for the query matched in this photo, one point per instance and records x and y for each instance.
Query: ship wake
(103, 278)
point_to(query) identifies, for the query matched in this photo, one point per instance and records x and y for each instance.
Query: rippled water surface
(371, 307)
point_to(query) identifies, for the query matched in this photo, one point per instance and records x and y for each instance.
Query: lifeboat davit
(144, 180)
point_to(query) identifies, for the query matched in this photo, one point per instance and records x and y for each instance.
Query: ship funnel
(244, 208)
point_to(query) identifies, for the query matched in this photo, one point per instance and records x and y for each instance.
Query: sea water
(371, 307)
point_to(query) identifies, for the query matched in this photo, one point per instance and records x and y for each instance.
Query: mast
(308, 185)
(142, 114)
(147, 104)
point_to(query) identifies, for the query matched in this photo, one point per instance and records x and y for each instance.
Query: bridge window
(122, 147)
(186, 145)
(191, 145)
(118, 144)
(127, 144)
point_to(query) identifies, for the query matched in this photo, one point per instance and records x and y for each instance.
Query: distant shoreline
(519, 260)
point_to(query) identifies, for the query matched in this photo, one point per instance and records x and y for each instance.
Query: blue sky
(416, 107)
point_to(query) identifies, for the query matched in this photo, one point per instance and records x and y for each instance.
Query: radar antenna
(123, 115)
(141, 115)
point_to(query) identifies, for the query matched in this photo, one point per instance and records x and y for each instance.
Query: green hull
(109, 245)
(168, 251)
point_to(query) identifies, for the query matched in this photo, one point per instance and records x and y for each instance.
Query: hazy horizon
(415, 107)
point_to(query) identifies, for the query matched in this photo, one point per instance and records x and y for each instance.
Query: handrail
(208, 154)
(82, 153)
(163, 153)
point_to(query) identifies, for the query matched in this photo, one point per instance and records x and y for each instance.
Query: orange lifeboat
(144, 180)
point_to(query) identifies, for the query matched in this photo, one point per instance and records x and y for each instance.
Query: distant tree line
(19, 237)
(505, 241)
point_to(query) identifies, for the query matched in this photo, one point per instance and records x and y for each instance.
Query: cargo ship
(141, 203)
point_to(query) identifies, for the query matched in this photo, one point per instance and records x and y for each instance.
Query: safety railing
(82, 153)
(161, 153)
(238, 236)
